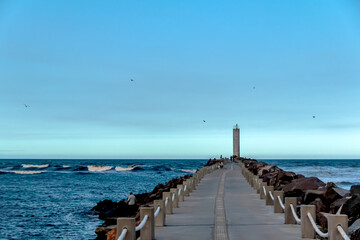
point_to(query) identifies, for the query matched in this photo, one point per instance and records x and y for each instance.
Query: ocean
(52, 199)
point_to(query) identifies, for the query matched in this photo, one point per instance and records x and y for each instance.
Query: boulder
(111, 235)
(328, 194)
(355, 235)
(264, 169)
(354, 227)
(286, 176)
(334, 207)
(102, 232)
(352, 208)
(355, 190)
(298, 187)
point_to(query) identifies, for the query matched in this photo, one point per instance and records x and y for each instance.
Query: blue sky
(72, 62)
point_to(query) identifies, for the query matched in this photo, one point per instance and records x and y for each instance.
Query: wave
(81, 168)
(125, 169)
(34, 166)
(160, 168)
(188, 170)
(28, 172)
(346, 183)
(96, 168)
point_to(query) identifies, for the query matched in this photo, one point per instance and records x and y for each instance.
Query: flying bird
(131, 80)
(253, 87)
(26, 105)
(313, 116)
(204, 121)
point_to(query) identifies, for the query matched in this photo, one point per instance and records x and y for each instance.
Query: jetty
(227, 201)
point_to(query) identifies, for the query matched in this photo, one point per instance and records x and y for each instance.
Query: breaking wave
(125, 169)
(28, 172)
(34, 166)
(95, 168)
(188, 171)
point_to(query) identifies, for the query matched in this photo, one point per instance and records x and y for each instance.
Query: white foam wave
(28, 172)
(188, 170)
(66, 166)
(34, 166)
(125, 169)
(95, 168)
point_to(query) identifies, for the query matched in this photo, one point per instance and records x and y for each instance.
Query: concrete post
(258, 183)
(251, 179)
(333, 222)
(269, 200)
(307, 231)
(236, 141)
(174, 192)
(277, 206)
(168, 206)
(129, 224)
(160, 218)
(196, 177)
(289, 218)
(186, 188)
(148, 231)
(255, 179)
(262, 194)
(181, 196)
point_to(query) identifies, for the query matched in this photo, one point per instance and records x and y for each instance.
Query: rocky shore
(109, 211)
(328, 198)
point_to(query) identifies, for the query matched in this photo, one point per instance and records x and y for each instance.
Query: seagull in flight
(131, 80)
(204, 121)
(313, 116)
(26, 105)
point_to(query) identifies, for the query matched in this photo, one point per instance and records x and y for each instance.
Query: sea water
(52, 199)
(344, 173)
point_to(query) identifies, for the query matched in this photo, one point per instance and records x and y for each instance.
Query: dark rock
(298, 187)
(354, 228)
(355, 235)
(334, 207)
(355, 190)
(352, 208)
(311, 195)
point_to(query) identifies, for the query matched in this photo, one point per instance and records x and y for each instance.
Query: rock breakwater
(327, 197)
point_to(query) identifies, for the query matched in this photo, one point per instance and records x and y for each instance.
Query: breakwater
(174, 190)
(297, 195)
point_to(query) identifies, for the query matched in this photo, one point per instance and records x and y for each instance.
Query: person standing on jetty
(131, 201)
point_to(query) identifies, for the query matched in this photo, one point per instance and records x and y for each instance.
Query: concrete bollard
(174, 192)
(255, 181)
(269, 201)
(289, 218)
(129, 224)
(333, 222)
(181, 196)
(168, 206)
(190, 185)
(251, 180)
(277, 206)
(186, 188)
(258, 187)
(262, 194)
(160, 218)
(148, 230)
(307, 231)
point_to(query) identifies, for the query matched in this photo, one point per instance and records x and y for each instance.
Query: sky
(268, 66)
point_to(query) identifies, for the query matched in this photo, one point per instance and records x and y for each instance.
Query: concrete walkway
(202, 215)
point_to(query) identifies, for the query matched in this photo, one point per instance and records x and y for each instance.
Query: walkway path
(202, 215)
